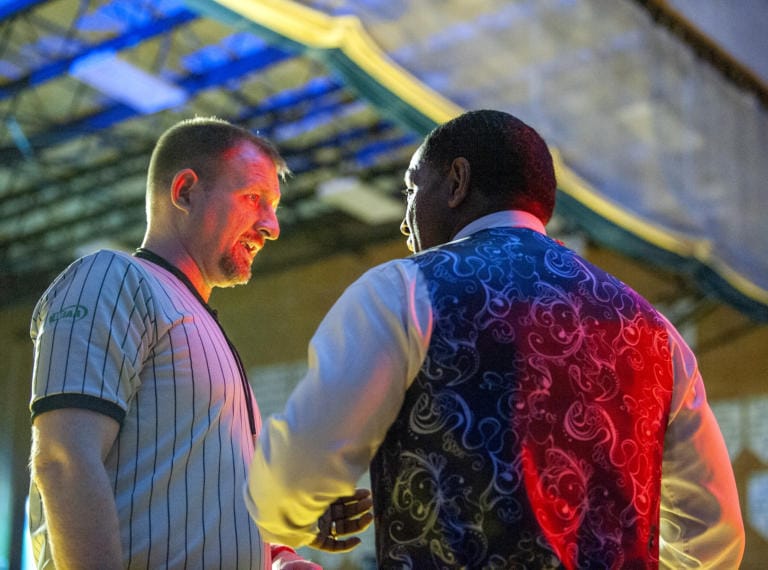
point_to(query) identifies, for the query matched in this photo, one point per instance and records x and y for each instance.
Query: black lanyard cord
(157, 260)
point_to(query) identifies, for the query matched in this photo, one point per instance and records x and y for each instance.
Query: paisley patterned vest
(532, 436)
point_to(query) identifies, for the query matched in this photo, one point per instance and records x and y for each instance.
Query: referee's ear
(181, 186)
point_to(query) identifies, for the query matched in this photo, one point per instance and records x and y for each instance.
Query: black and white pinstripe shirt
(128, 338)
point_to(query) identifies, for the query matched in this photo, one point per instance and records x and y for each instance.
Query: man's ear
(459, 175)
(181, 187)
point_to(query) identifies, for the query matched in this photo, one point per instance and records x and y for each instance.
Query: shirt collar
(504, 218)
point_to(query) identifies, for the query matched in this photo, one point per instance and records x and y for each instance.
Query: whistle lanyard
(157, 260)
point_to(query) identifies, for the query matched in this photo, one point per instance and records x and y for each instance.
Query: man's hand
(287, 559)
(344, 516)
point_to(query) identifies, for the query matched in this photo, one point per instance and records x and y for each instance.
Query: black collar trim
(151, 256)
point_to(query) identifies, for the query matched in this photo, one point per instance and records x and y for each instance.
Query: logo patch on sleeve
(74, 312)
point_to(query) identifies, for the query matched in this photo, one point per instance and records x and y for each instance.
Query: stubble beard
(236, 271)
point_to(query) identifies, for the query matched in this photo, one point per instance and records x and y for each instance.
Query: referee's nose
(268, 225)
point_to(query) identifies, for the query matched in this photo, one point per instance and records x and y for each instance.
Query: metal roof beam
(127, 40)
(105, 222)
(15, 7)
(54, 190)
(315, 89)
(118, 112)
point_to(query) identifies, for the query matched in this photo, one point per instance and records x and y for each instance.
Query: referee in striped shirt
(143, 418)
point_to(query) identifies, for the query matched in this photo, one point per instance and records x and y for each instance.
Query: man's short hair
(199, 144)
(509, 162)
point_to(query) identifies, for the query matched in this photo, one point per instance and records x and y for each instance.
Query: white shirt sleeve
(362, 359)
(701, 524)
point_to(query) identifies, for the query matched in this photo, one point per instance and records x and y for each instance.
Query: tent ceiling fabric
(662, 154)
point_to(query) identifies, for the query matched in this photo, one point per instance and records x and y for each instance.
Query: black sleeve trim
(82, 401)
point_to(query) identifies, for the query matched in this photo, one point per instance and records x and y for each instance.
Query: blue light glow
(126, 83)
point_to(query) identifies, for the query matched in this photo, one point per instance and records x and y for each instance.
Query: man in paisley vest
(518, 407)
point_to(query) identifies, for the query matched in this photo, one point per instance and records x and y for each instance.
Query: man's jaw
(236, 265)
